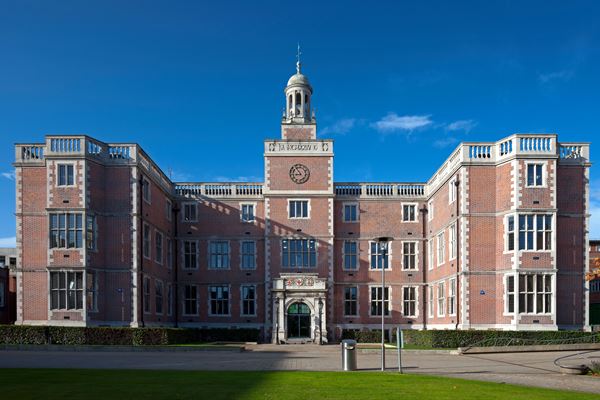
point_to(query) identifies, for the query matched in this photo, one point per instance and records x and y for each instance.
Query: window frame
(452, 241)
(387, 302)
(159, 249)
(243, 255)
(356, 212)
(66, 291)
(244, 220)
(377, 255)
(414, 301)
(289, 208)
(244, 302)
(441, 299)
(191, 205)
(352, 256)
(191, 300)
(55, 233)
(415, 255)
(196, 254)
(227, 300)
(91, 290)
(222, 259)
(147, 293)
(146, 241)
(441, 248)
(168, 210)
(289, 251)
(146, 190)
(159, 299)
(533, 230)
(543, 165)
(66, 166)
(452, 191)
(451, 297)
(415, 215)
(352, 302)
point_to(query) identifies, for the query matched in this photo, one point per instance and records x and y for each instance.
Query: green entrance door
(298, 321)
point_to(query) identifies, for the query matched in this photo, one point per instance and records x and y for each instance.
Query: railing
(573, 151)
(65, 145)
(30, 152)
(380, 190)
(220, 190)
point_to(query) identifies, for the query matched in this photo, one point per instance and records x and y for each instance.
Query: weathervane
(298, 59)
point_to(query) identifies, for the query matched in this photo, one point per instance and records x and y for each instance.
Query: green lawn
(118, 384)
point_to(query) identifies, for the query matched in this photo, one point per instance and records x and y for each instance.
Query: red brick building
(594, 284)
(496, 239)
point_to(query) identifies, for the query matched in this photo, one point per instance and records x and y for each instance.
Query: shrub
(23, 334)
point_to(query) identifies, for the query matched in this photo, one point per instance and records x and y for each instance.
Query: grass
(130, 384)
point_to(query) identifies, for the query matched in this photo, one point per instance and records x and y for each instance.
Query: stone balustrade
(379, 190)
(220, 190)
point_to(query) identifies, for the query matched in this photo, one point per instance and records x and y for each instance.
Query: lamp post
(382, 244)
(320, 321)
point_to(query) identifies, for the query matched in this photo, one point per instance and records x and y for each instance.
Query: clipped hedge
(462, 338)
(24, 334)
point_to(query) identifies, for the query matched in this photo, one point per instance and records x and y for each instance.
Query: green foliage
(461, 338)
(595, 368)
(23, 334)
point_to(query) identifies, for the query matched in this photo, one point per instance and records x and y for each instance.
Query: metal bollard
(348, 355)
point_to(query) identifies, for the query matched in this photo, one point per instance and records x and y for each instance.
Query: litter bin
(349, 355)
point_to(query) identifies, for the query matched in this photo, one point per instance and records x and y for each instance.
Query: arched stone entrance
(298, 321)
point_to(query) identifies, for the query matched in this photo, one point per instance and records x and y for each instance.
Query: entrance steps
(299, 341)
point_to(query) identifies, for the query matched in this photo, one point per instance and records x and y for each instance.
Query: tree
(594, 270)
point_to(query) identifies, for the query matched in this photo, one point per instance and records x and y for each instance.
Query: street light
(320, 320)
(382, 244)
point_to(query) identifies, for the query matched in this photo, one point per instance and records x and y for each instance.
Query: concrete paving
(531, 369)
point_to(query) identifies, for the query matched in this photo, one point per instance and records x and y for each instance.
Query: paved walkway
(532, 369)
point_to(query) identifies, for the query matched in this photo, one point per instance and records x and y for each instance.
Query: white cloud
(217, 179)
(564, 75)
(9, 175)
(340, 127)
(462, 125)
(407, 123)
(8, 242)
(445, 142)
(178, 176)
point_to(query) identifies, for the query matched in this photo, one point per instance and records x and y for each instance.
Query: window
(350, 212)
(169, 245)
(218, 254)
(298, 208)
(247, 212)
(146, 192)
(430, 243)
(190, 300)
(380, 302)
(2, 294)
(535, 175)
(90, 232)
(510, 233)
(66, 230)
(190, 212)
(351, 301)
(168, 209)
(158, 246)
(409, 255)
(441, 292)
(146, 240)
(409, 213)
(452, 191)
(298, 253)
(430, 210)
(595, 286)
(190, 254)
(249, 300)
(535, 232)
(430, 303)
(441, 248)
(452, 240)
(65, 175)
(510, 294)
(350, 255)
(169, 299)
(159, 291)
(219, 300)
(147, 294)
(378, 257)
(452, 297)
(91, 290)
(66, 290)
(409, 301)
(248, 256)
(535, 293)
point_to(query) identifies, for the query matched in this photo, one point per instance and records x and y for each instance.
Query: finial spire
(298, 64)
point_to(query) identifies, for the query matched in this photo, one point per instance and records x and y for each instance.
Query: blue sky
(200, 84)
